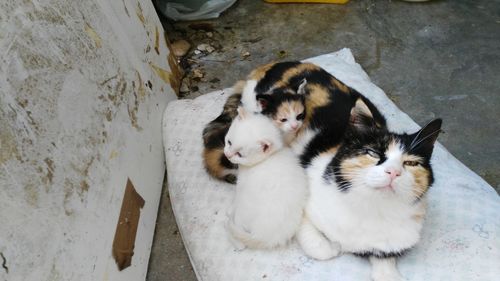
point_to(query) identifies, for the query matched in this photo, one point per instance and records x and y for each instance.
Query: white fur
(374, 213)
(272, 187)
(302, 139)
(249, 97)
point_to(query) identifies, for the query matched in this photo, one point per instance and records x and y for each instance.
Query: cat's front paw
(384, 269)
(322, 249)
(315, 244)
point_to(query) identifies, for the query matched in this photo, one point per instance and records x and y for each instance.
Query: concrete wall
(82, 88)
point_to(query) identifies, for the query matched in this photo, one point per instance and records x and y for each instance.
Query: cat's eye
(283, 120)
(410, 163)
(372, 153)
(229, 142)
(238, 154)
(300, 116)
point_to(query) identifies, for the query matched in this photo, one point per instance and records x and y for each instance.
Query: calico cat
(328, 103)
(367, 194)
(284, 105)
(272, 187)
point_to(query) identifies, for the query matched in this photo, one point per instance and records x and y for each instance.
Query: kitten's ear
(301, 90)
(423, 140)
(264, 100)
(242, 113)
(265, 146)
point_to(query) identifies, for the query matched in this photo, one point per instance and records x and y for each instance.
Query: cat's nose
(393, 173)
(294, 126)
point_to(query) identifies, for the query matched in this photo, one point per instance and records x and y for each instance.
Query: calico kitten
(272, 187)
(367, 194)
(285, 106)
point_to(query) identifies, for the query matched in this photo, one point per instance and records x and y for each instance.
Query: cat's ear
(242, 113)
(265, 145)
(423, 140)
(301, 89)
(264, 100)
(361, 115)
(364, 115)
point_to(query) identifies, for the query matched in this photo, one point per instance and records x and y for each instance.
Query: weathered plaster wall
(82, 88)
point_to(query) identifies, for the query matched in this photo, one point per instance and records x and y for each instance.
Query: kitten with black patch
(367, 194)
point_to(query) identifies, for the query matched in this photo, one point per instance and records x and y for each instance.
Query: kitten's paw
(232, 179)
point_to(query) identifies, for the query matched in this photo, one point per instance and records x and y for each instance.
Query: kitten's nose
(294, 126)
(393, 173)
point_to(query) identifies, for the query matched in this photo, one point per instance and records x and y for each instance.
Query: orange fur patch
(318, 96)
(285, 109)
(341, 86)
(421, 177)
(351, 166)
(293, 72)
(211, 159)
(331, 151)
(239, 86)
(260, 71)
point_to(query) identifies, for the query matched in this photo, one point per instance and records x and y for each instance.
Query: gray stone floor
(435, 59)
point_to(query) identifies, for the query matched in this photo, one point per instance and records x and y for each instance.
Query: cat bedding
(460, 238)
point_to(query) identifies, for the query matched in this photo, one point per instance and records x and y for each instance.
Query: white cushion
(461, 235)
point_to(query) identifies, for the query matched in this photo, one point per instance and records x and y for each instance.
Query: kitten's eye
(372, 153)
(283, 120)
(411, 163)
(300, 116)
(238, 154)
(229, 142)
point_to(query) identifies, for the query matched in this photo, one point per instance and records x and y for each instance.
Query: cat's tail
(218, 166)
(242, 236)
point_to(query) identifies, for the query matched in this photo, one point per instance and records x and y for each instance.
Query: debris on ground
(205, 48)
(282, 54)
(206, 51)
(205, 26)
(198, 73)
(180, 48)
(245, 54)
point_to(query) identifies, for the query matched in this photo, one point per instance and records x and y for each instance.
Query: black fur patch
(273, 75)
(381, 254)
(276, 98)
(226, 163)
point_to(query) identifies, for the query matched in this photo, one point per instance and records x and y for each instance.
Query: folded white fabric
(461, 236)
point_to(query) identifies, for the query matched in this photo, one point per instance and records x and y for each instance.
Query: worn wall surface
(82, 88)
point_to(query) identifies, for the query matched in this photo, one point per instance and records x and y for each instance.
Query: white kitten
(272, 187)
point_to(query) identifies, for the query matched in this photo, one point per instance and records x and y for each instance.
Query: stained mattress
(460, 239)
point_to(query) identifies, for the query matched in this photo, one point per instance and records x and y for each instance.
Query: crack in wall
(4, 263)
